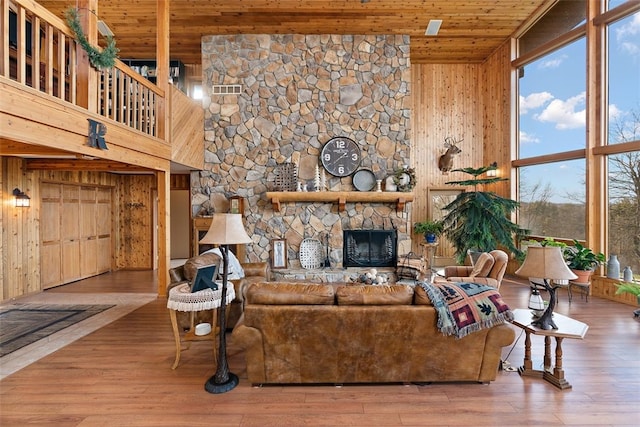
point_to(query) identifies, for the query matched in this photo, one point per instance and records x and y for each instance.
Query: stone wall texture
(297, 92)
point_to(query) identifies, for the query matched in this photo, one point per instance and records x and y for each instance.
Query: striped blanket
(464, 308)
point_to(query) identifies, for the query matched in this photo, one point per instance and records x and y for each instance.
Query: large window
(552, 199)
(552, 102)
(623, 108)
(552, 106)
(557, 86)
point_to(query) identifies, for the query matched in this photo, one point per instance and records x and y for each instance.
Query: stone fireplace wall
(295, 93)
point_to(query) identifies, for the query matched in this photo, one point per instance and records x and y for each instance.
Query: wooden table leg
(547, 354)
(557, 376)
(527, 368)
(176, 336)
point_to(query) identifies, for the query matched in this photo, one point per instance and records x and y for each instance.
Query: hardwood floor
(120, 375)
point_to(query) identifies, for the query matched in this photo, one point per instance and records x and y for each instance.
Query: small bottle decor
(627, 274)
(613, 267)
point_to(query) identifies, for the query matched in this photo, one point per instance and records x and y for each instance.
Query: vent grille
(226, 89)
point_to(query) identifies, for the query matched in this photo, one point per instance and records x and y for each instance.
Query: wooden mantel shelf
(339, 197)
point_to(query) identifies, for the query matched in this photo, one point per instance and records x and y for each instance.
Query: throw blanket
(466, 307)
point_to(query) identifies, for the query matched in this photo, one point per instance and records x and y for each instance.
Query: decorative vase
(430, 237)
(389, 185)
(613, 267)
(627, 274)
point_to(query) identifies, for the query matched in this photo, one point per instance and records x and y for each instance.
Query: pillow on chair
(483, 265)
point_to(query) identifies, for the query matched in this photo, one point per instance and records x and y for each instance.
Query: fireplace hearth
(369, 248)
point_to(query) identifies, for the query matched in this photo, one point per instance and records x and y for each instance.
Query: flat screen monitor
(204, 278)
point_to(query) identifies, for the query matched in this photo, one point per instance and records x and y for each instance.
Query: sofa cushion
(266, 293)
(374, 295)
(482, 267)
(420, 296)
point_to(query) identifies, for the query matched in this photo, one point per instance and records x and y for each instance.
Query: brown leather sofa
(295, 333)
(253, 272)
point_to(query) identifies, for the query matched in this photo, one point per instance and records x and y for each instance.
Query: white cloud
(615, 112)
(552, 62)
(565, 114)
(627, 36)
(534, 100)
(630, 48)
(525, 138)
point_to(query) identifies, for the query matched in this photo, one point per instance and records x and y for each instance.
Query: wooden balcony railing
(38, 50)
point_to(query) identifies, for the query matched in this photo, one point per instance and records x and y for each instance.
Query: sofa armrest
(499, 336)
(256, 269)
(250, 339)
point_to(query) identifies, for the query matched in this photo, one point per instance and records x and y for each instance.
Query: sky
(553, 101)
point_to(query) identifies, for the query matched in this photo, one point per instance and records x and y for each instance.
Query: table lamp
(225, 230)
(547, 263)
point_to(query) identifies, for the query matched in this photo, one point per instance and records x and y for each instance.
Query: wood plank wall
(187, 130)
(463, 101)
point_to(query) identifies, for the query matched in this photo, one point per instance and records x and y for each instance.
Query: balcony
(50, 92)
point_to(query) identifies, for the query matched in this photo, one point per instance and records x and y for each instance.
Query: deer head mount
(445, 162)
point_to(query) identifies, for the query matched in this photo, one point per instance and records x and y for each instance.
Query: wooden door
(76, 232)
(51, 240)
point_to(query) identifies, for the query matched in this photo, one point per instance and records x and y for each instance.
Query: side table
(182, 299)
(567, 328)
(584, 287)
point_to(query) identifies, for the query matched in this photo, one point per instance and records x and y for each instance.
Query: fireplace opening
(369, 248)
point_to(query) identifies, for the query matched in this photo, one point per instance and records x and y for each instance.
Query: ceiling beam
(13, 148)
(97, 165)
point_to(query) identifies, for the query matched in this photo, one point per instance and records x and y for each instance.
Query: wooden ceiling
(471, 29)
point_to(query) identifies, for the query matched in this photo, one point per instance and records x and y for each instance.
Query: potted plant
(633, 289)
(430, 229)
(582, 260)
(479, 220)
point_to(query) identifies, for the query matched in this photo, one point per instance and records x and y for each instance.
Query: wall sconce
(493, 172)
(21, 199)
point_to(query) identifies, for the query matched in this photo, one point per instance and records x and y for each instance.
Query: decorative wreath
(398, 181)
(98, 59)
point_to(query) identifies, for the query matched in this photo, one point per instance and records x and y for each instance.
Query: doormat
(24, 324)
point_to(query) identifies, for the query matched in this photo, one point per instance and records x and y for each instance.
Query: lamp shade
(545, 262)
(226, 229)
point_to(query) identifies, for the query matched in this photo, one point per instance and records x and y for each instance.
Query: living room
(472, 101)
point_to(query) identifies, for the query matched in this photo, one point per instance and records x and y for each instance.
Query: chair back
(500, 266)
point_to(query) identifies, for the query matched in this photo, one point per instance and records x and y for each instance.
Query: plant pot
(584, 276)
(430, 237)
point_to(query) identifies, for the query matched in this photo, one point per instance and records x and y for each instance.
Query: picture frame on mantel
(278, 253)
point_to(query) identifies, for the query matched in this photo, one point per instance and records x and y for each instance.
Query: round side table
(182, 299)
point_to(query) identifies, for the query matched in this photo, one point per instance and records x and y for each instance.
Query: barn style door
(76, 224)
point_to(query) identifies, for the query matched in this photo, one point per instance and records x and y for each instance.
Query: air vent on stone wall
(226, 89)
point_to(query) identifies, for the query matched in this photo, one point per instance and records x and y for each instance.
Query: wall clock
(340, 156)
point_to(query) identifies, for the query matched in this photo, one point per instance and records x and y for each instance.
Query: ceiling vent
(226, 89)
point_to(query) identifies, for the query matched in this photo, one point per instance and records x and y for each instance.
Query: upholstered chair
(488, 269)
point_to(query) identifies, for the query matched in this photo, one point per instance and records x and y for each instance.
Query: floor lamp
(225, 230)
(547, 263)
